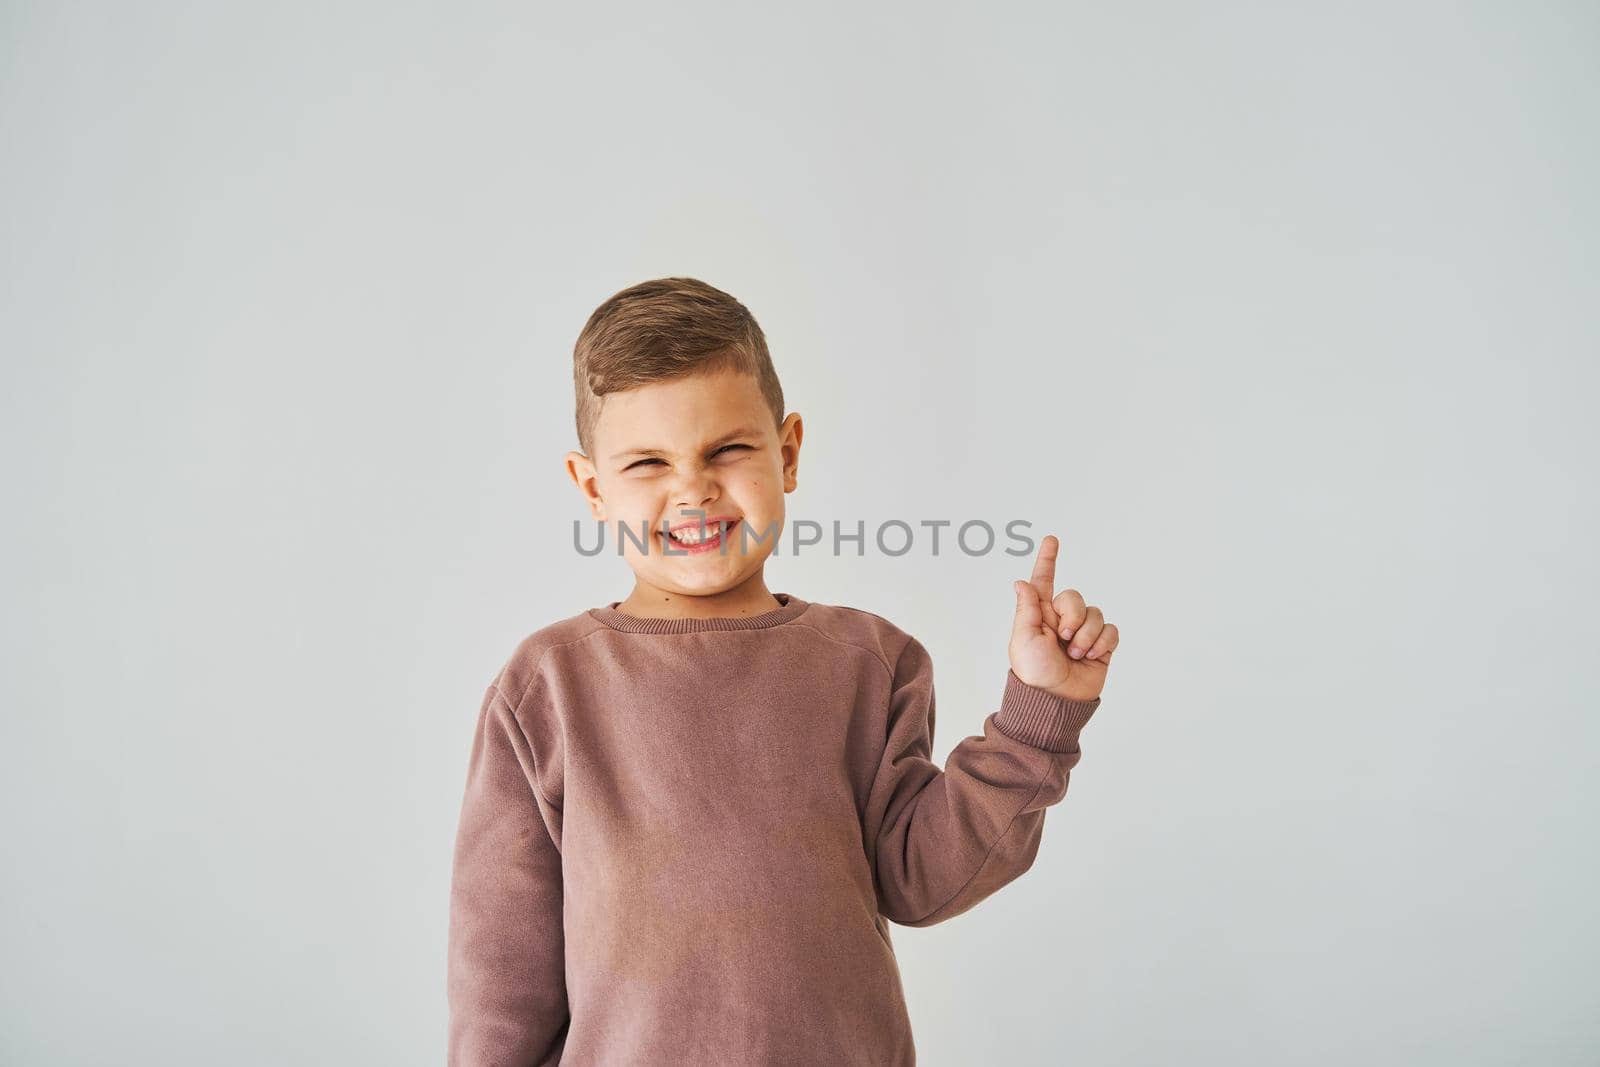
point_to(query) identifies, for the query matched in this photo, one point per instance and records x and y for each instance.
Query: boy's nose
(696, 493)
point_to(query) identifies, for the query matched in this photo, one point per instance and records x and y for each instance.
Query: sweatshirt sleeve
(946, 839)
(506, 958)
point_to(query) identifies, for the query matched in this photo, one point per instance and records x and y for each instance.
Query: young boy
(691, 815)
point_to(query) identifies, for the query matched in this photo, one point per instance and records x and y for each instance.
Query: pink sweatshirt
(683, 840)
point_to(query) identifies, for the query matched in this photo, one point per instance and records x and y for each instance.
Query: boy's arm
(946, 839)
(507, 956)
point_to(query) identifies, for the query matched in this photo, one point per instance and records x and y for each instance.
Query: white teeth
(692, 535)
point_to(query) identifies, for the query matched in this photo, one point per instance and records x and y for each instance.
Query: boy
(691, 815)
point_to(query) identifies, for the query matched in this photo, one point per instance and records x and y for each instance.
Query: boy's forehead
(681, 413)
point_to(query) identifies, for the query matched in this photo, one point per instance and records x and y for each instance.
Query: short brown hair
(663, 329)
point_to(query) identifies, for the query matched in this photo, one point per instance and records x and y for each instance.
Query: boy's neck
(749, 597)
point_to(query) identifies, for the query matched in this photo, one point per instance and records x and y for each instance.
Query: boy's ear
(580, 468)
(789, 437)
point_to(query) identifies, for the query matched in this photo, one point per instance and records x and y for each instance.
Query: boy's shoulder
(520, 667)
(859, 627)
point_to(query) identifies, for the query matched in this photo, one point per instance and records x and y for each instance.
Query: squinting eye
(652, 460)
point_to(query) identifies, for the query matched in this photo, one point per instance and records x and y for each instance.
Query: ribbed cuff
(1040, 718)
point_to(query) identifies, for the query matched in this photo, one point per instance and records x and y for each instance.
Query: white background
(1282, 317)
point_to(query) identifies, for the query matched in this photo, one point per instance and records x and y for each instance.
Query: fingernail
(1066, 633)
(1075, 653)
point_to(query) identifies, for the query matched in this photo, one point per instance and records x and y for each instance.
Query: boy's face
(682, 451)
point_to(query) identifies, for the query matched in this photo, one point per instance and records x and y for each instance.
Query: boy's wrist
(1041, 718)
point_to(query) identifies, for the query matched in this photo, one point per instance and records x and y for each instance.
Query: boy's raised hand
(1059, 643)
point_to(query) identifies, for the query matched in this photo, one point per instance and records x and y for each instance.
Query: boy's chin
(696, 576)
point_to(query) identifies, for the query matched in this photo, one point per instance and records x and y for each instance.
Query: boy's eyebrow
(724, 439)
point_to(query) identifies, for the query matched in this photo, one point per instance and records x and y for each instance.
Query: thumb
(1029, 618)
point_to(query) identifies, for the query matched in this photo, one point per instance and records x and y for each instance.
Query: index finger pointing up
(1044, 568)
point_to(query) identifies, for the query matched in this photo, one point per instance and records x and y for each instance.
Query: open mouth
(696, 539)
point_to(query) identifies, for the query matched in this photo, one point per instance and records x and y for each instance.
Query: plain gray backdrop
(1281, 316)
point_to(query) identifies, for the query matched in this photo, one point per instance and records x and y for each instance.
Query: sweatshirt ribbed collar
(634, 624)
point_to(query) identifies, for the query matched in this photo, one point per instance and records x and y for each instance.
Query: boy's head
(680, 419)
